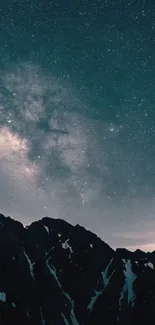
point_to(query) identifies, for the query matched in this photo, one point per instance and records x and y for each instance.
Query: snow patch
(65, 245)
(59, 235)
(91, 245)
(93, 300)
(149, 264)
(30, 265)
(52, 270)
(42, 318)
(46, 228)
(3, 296)
(130, 277)
(106, 279)
(65, 319)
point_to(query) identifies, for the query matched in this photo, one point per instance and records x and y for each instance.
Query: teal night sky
(77, 115)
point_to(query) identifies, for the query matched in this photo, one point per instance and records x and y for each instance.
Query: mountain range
(54, 273)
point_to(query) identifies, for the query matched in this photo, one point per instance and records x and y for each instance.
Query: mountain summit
(53, 273)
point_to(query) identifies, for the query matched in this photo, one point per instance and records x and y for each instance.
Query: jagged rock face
(53, 273)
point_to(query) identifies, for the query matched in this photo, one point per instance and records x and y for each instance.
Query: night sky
(77, 115)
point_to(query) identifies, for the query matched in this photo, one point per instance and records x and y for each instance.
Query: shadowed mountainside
(53, 273)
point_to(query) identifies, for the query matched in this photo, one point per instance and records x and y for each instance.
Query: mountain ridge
(54, 273)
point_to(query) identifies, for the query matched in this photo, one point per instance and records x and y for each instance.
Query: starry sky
(77, 115)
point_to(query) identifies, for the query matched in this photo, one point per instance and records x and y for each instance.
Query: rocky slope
(53, 273)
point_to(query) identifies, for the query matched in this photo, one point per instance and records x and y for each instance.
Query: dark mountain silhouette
(53, 273)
